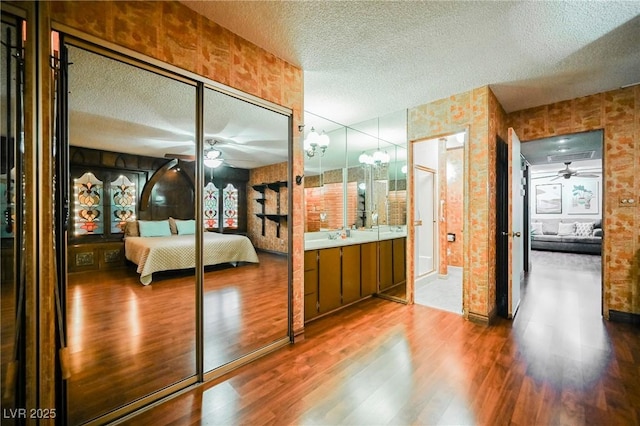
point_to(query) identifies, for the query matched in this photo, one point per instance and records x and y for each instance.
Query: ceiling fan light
(213, 163)
(213, 154)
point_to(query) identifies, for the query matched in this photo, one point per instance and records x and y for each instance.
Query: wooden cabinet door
(329, 279)
(399, 264)
(368, 269)
(350, 274)
(310, 284)
(385, 260)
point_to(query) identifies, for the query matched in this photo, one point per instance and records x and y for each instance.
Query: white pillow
(566, 228)
(536, 228)
(584, 229)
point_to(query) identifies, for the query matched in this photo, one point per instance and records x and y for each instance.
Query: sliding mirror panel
(246, 221)
(130, 295)
(11, 218)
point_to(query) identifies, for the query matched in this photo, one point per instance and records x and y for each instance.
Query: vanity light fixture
(315, 142)
(378, 158)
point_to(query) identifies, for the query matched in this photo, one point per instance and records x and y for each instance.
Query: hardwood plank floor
(380, 362)
(127, 340)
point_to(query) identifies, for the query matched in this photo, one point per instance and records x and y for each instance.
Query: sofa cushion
(550, 228)
(547, 238)
(584, 229)
(566, 228)
(536, 228)
(597, 232)
(581, 240)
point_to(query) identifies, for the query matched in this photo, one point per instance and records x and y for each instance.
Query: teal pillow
(186, 227)
(154, 228)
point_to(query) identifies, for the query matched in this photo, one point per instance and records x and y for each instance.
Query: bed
(165, 253)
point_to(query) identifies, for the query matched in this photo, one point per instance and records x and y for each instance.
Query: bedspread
(153, 254)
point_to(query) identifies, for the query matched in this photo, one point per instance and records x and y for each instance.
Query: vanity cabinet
(350, 274)
(329, 280)
(392, 262)
(368, 269)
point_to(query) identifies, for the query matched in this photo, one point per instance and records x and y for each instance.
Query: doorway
(565, 177)
(439, 170)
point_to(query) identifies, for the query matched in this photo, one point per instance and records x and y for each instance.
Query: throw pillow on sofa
(566, 228)
(536, 228)
(584, 229)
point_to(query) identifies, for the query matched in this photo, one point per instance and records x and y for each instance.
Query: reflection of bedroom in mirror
(133, 242)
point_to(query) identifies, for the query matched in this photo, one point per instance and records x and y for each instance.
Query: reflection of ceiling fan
(212, 156)
(568, 173)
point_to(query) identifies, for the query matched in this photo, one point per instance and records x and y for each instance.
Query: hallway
(380, 362)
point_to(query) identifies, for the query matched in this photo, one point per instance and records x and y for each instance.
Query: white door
(424, 195)
(517, 214)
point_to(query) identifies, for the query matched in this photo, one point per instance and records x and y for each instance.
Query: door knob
(505, 234)
(517, 234)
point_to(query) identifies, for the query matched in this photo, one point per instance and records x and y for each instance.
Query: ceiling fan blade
(183, 157)
(557, 177)
(587, 175)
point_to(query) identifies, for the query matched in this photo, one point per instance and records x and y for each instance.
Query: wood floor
(127, 340)
(380, 362)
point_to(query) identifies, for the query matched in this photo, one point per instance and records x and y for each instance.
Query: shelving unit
(362, 208)
(279, 216)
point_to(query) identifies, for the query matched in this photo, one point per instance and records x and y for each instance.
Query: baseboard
(298, 335)
(626, 317)
(485, 320)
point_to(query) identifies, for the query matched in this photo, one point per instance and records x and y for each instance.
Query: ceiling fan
(212, 156)
(568, 172)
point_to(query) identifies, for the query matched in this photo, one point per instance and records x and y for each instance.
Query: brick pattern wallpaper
(170, 32)
(450, 115)
(618, 113)
(455, 204)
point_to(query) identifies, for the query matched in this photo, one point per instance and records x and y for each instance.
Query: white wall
(567, 197)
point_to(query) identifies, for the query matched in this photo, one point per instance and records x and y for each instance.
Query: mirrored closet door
(245, 212)
(130, 283)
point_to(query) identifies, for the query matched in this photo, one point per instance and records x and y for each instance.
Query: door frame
(465, 215)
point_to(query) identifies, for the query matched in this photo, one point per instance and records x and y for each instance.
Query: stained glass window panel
(88, 205)
(210, 206)
(7, 203)
(230, 206)
(123, 203)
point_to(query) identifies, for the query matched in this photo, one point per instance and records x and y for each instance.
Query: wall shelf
(278, 217)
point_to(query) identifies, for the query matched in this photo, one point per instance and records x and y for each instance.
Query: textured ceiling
(365, 59)
(118, 107)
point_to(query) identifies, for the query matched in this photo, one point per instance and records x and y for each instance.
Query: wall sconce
(316, 143)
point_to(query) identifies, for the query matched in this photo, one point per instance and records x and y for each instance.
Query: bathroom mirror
(323, 169)
(360, 184)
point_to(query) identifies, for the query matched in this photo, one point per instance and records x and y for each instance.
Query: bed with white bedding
(154, 254)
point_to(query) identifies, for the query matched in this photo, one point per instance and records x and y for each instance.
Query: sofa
(567, 235)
